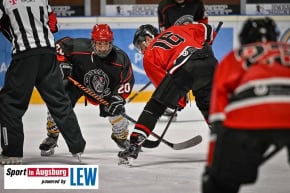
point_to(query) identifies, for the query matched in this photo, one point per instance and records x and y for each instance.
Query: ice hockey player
(103, 68)
(250, 108)
(176, 61)
(176, 12)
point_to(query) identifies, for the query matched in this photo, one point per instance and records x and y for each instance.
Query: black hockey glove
(65, 69)
(116, 105)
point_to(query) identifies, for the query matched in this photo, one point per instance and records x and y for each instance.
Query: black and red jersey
(104, 76)
(171, 13)
(252, 87)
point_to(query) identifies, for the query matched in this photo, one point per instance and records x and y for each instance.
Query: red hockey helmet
(102, 38)
(102, 32)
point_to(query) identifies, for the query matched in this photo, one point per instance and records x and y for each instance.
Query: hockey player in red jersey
(103, 68)
(250, 107)
(176, 12)
(176, 61)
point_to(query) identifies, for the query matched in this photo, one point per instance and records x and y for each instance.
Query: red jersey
(162, 52)
(252, 88)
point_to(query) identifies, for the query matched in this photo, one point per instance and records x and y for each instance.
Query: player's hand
(65, 69)
(116, 105)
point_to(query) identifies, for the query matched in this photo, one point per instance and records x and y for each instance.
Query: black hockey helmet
(258, 30)
(141, 32)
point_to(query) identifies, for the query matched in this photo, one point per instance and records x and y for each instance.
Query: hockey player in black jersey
(29, 26)
(103, 68)
(172, 12)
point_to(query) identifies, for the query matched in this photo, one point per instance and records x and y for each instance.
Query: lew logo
(13, 2)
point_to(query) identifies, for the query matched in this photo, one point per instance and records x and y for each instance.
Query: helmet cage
(141, 33)
(102, 33)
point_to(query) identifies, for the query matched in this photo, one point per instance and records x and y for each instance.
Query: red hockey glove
(52, 22)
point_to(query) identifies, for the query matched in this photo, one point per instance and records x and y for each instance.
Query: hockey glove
(116, 105)
(65, 69)
(52, 22)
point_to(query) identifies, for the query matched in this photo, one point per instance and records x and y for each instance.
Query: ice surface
(158, 170)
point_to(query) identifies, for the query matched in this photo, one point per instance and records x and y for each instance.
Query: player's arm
(123, 89)
(52, 20)
(127, 80)
(201, 15)
(203, 33)
(64, 47)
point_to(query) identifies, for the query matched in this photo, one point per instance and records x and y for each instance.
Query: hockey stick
(177, 146)
(271, 153)
(138, 92)
(151, 144)
(219, 26)
(185, 144)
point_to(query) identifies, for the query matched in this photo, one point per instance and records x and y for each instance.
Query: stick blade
(189, 143)
(151, 144)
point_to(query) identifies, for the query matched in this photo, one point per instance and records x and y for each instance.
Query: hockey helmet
(102, 38)
(102, 32)
(258, 30)
(142, 32)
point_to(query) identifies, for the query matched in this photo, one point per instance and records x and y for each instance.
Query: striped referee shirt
(28, 24)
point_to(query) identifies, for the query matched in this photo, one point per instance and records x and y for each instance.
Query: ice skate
(48, 145)
(121, 143)
(5, 160)
(127, 156)
(78, 156)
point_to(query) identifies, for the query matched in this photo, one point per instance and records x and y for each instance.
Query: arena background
(125, 18)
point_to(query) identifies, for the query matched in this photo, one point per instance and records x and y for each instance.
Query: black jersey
(28, 24)
(171, 13)
(104, 76)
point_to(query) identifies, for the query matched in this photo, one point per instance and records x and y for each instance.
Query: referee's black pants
(23, 74)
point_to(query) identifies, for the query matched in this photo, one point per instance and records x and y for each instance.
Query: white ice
(158, 170)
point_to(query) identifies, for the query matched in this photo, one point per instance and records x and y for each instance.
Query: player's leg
(52, 91)
(236, 157)
(167, 94)
(49, 144)
(120, 131)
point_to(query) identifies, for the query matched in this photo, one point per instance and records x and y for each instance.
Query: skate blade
(126, 161)
(47, 153)
(78, 156)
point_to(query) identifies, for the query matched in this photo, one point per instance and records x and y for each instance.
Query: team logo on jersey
(13, 2)
(98, 81)
(260, 90)
(185, 19)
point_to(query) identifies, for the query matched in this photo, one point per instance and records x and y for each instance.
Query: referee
(31, 24)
